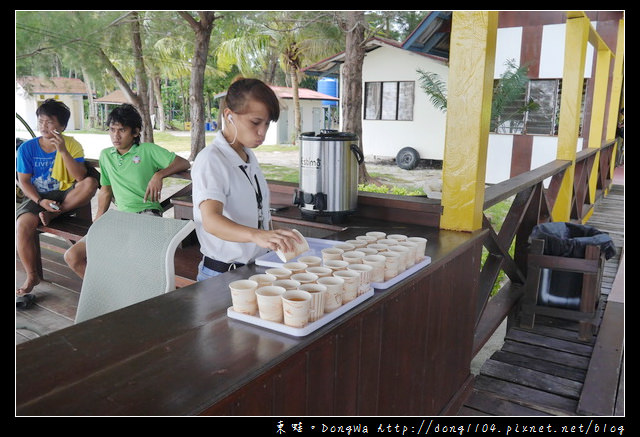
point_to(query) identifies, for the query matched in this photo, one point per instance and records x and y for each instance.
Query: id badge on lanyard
(258, 192)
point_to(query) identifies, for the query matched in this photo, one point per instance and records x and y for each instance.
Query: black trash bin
(559, 288)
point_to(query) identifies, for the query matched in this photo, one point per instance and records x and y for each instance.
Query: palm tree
(297, 37)
(508, 105)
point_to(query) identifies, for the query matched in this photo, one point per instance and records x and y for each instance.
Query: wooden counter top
(177, 354)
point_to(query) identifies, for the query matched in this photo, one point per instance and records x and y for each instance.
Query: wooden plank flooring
(542, 371)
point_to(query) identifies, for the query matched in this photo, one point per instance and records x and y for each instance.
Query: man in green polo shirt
(131, 174)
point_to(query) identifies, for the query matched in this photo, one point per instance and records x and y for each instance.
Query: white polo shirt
(216, 175)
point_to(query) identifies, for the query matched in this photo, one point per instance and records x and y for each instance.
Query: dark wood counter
(405, 351)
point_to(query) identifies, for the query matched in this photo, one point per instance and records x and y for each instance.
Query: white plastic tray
(316, 245)
(408, 272)
(300, 332)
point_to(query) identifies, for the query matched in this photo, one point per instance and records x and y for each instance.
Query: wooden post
(575, 49)
(470, 90)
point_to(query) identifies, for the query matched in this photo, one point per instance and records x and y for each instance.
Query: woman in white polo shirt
(230, 193)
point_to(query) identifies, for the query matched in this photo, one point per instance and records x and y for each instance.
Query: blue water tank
(328, 86)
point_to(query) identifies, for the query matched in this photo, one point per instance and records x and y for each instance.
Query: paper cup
(263, 279)
(368, 239)
(404, 257)
(365, 276)
(376, 234)
(295, 267)
(320, 271)
(413, 247)
(333, 295)
(377, 262)
(270, 303)
(279, 273)
(287, 284)
(422, 245)
(295, 308)
(336, 264)
(304, 278)
(346, 247)
(243, 296)
(397, 237)
(299, 248)
(378, 247)
(356, 243)
(351, 284)
(310, 261)
(392, 259)
(330, 253)
(317, 292)
(387, 242)
(367, 251)
(353, 257)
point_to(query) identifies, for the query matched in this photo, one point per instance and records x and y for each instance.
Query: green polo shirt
(129, 174)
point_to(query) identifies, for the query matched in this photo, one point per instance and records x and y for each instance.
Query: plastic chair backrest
(130, 258)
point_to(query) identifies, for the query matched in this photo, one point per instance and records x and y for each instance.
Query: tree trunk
(92, 106)
(141, 79)
(352, 75)
(202, 30)
(296, 106)
(160, 120)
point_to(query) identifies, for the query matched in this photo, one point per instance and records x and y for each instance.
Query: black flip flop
(25, 301)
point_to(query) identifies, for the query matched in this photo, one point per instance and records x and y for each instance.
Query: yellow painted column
(616, 92)
(598, 108)
(469, 94)
(576, 37)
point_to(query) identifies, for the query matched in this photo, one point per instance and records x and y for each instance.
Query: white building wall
(425, 132)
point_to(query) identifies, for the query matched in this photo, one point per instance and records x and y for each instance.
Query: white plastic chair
(130, 258)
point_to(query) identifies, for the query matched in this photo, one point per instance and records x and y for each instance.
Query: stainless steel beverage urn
(328, 174)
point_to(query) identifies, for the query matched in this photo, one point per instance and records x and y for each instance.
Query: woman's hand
(279, 239)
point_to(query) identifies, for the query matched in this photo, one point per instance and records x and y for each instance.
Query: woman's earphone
(230, 118)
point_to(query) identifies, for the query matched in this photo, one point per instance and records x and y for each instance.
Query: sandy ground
(386, 170)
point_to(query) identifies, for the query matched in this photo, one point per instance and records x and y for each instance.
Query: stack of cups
(287, 284)
(346, 247)
(397, 237)
(305, 278)
(368, 239)
(320, 271)
(357, 243)
(336, 264)
(422, 245)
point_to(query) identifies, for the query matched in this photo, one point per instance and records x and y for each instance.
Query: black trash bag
(571, 240)
(559, 288)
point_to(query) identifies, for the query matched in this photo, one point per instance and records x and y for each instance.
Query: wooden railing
(532, 204)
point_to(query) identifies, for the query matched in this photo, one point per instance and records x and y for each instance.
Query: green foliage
(400, 191)
(435, 88)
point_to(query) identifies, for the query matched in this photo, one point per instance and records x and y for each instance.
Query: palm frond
(435, 88)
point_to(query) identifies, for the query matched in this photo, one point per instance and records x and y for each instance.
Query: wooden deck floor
(544, 370)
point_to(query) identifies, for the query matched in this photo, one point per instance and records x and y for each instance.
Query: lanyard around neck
(258, 192)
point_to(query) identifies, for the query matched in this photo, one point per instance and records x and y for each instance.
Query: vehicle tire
(407, 158)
